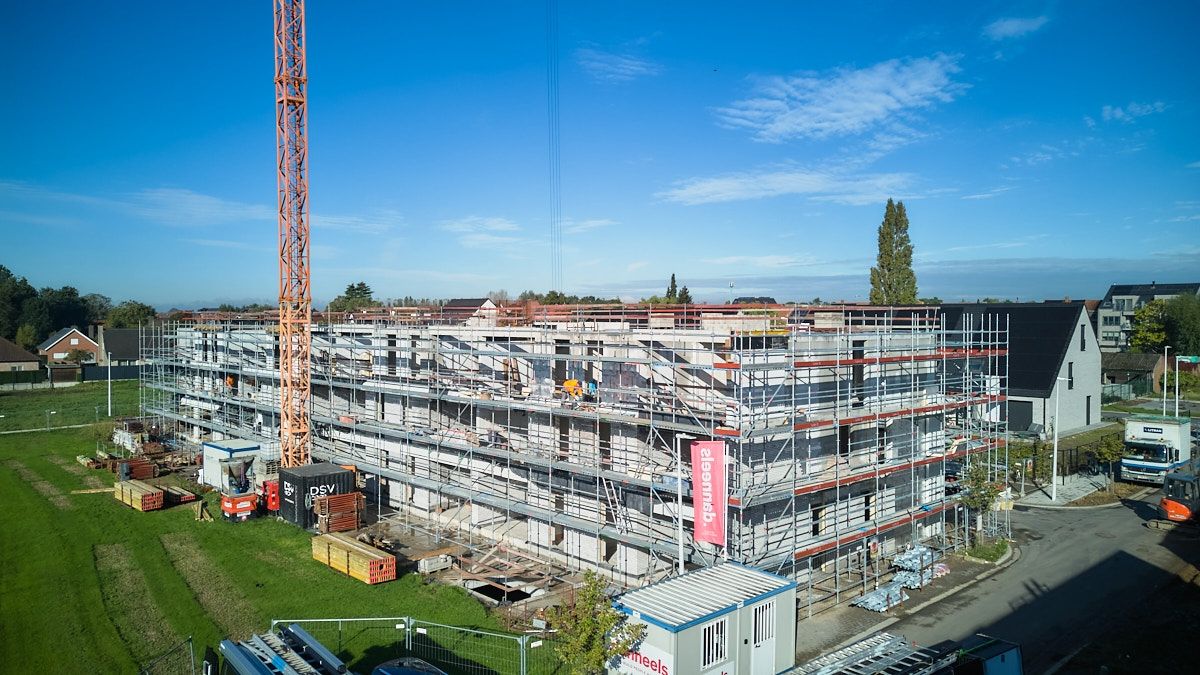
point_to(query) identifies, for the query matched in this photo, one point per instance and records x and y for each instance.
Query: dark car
(407, 665)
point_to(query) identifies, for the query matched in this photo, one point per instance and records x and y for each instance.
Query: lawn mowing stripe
(54, 619)
(42, 486)
(127, 598)
(219, 597)
(76, 469)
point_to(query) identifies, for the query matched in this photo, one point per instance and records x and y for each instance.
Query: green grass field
(78, 404)
(90, 585)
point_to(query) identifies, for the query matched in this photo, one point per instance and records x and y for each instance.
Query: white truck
(1155, 446)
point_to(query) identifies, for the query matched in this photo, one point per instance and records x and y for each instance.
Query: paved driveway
(1078, 570)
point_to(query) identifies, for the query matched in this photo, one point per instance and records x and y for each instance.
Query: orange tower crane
(295, 282)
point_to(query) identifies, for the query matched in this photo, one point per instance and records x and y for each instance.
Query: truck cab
(1155, 446)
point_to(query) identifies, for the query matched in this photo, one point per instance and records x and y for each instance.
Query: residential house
(1139, 373)
(13, 358)
(1114, 317)
(471, 311)
(57, 347)
(1046, 341)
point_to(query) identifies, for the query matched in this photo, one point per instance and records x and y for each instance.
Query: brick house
(58, 346)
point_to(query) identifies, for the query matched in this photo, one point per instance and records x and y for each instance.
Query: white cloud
(186, 208)
(1131, 111)
(479, 224)
(1002, 29)
(844, 101)
(612, 67)
(487, 240)
(579, 226)
(1091, 123)
(227, 243)
(817, 185)
(767, 261)
(1193, 165)
(376, 222)
(994, 192)
(636, 265)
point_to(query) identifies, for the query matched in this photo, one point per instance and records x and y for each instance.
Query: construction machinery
(1155, 446)
(1180, 501)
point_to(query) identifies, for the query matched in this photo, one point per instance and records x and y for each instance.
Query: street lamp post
(679, 496)
(1166, 367)
(1177, 360)
(1054, 458)
(109, 357)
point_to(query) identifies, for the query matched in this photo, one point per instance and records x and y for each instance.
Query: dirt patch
(141, 624)
(43, 487)
(274, 558)
(219, 597)
(1119, 491)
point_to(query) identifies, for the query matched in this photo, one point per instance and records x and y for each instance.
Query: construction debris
(916, 558)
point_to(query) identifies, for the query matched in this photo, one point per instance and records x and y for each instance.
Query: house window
(764, 622)
(1082, 337)
(715, 646)
(1112, 320)
(1070, 375)
(74, 341)
(818, 520)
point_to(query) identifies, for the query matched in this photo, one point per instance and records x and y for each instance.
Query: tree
(1110, 449)
(1149, 328)
(78, 356)
(14, 293)
(672, 291)
(355, 297)
(1181, 320)
(685, 297)
(98, 306)
(979, 492)
(130, 314)
(590, 632)
(932, 300)
(499, 297)
(892, 279)
(26, 337)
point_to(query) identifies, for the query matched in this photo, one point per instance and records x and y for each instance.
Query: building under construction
(561, 431)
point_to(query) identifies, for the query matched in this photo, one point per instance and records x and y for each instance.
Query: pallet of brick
(139, 495)
(354, 558)
(136, 469)
(177, 495)
(329, 504)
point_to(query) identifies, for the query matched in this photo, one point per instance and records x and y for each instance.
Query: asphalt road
(1078, 569)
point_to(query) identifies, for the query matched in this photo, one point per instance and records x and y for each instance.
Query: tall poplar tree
(892, 279)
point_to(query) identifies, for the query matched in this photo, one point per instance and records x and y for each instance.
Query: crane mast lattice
(295, 289)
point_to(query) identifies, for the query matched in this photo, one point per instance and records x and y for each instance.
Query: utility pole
(1166, 367)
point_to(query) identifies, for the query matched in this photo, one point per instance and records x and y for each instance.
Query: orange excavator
(1180, 503)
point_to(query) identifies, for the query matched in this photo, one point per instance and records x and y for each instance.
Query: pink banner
(709, 492)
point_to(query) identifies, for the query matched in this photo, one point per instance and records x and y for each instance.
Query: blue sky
(1042, 149)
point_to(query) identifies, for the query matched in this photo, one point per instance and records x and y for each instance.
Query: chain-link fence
(366, 642)
(178, 660)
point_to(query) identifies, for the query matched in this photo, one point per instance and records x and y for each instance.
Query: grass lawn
(990, 552)
(71, 405)
(1117, 492)
(92, 585)
(1079, 440)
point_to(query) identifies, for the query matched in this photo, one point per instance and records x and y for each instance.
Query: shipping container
(300, 486)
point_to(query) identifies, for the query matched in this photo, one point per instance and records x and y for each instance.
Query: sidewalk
(1070, 488)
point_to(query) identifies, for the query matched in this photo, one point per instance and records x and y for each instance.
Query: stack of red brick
(339, 513)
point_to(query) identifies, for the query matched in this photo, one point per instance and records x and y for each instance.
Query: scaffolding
(840, 426)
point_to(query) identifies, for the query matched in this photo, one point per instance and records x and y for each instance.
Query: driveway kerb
(1137, 495)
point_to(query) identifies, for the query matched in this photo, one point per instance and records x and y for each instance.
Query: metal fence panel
(364, 643)
(178, 660)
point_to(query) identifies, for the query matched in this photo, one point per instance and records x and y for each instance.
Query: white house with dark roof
(1046, 341)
